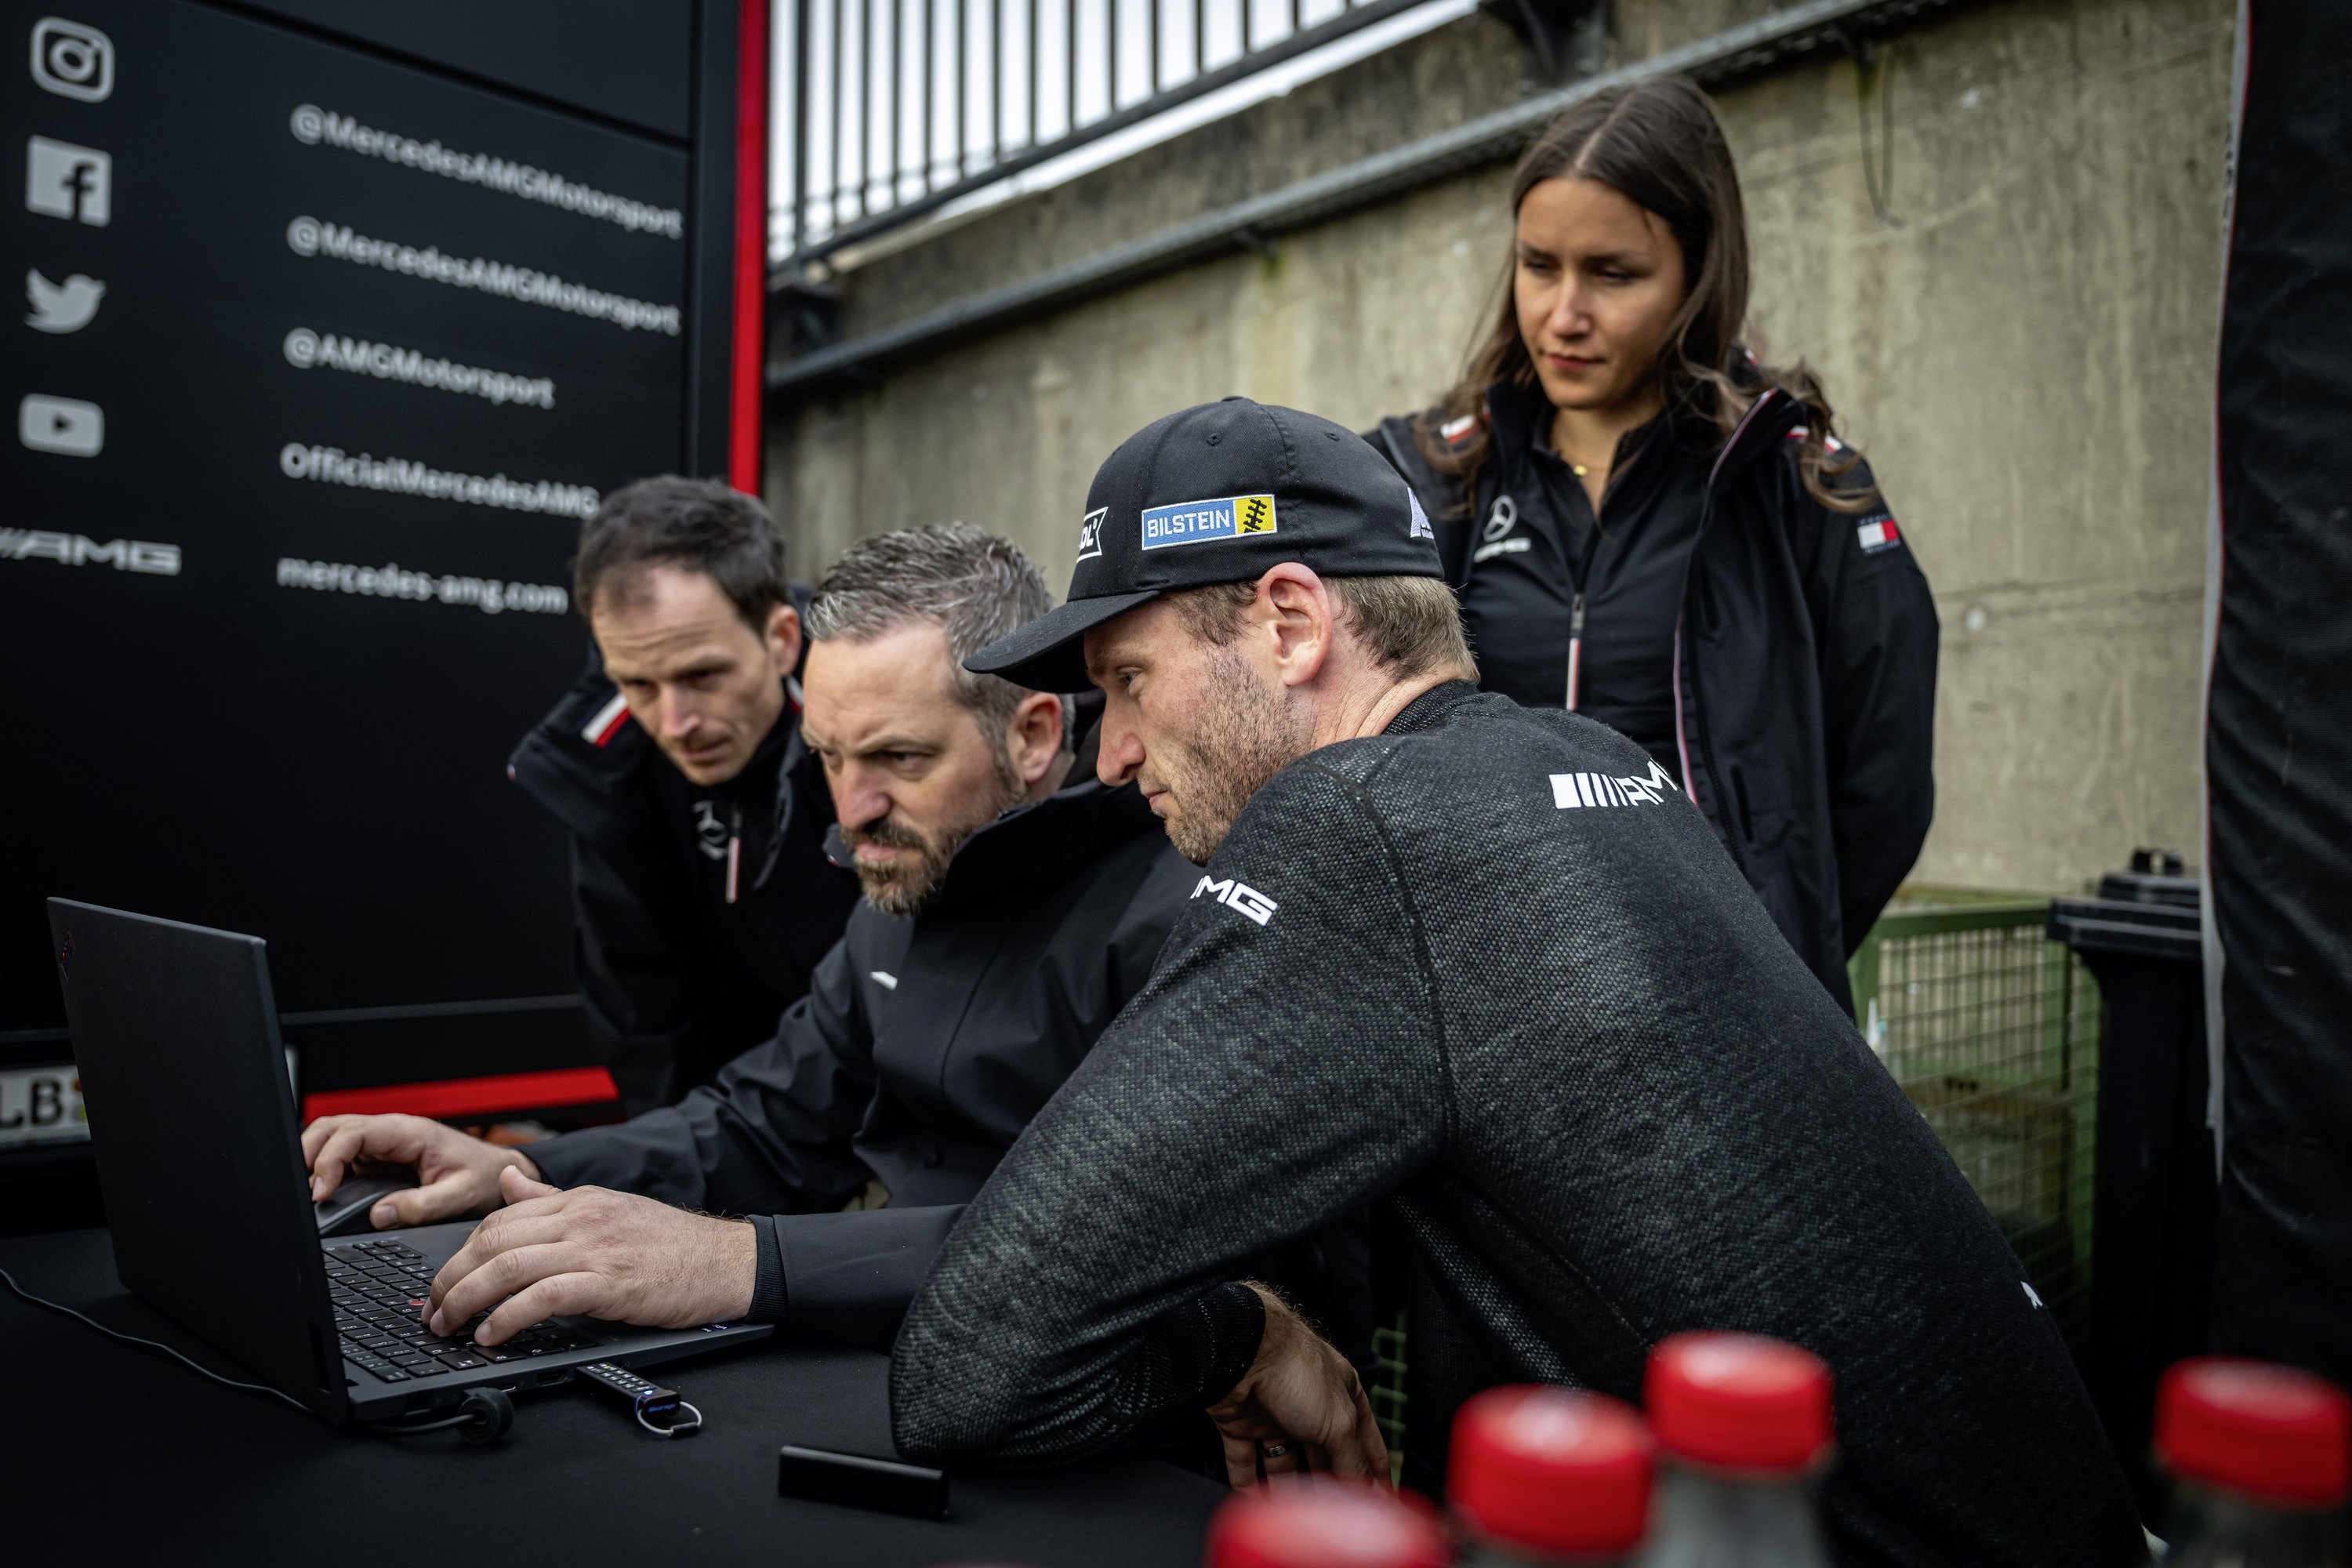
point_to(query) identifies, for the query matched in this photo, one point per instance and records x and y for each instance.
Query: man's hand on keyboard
(458, 1176)
(597, 1253)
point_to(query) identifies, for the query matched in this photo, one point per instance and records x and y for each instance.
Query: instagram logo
(73, 60)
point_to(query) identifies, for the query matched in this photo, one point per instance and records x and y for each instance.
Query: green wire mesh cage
(1993, 1031)
(1388, 1390)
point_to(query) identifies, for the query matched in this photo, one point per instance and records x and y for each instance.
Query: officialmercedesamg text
(317, 127)
(306, 349)
(310, 236)
(488, 594)
(400, 476)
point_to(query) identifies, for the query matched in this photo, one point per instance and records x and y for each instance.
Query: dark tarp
(2279, 716)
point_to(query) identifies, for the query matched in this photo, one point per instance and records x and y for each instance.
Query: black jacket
(923, 1049)
(1492, 968)
(677, 978)
(1805, 676)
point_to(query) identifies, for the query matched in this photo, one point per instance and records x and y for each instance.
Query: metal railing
(893, 108)
(1807, 29)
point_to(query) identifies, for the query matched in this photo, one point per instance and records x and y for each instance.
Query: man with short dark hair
(1488, 966)
(701, 894)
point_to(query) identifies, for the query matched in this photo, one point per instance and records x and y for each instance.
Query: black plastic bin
(2154, 1188)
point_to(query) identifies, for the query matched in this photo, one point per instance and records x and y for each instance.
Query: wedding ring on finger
(1273, 1450)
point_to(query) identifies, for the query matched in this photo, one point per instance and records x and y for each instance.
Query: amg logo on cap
(1194, 521)
(1420, 528)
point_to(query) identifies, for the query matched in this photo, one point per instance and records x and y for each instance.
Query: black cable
(483, 1416)
(485, 1413)
(32, 1301)
(405, 1429)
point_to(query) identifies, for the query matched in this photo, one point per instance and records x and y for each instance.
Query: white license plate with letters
(41, 1105)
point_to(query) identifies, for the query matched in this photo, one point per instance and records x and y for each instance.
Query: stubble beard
(1245, 737)
(905, 887)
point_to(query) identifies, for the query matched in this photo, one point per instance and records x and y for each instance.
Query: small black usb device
(657, 1409)
(862, 1480)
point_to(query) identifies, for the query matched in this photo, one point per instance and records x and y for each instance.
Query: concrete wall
(2023, 349)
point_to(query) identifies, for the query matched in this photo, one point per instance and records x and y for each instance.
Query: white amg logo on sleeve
(1570, 792)
(1239, 897)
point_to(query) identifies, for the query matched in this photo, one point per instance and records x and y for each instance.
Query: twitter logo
(61, 308)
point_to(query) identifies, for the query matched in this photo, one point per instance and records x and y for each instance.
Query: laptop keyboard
(380, 1289)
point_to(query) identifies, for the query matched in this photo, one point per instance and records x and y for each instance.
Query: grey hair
(976, 586)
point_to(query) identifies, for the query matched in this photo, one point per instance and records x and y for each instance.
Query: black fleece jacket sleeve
(845, 1277)
(1082, 1303)
(1878, 711)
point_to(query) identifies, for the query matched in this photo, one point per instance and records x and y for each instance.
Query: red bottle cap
(1326, 1524)
(2270, 1431)
(1551, 1468)
(1740, 1401)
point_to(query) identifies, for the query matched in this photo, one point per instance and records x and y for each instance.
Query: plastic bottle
(1320, 1523)
(2261, 1461)
(1548, 1476)
(1743, 1430)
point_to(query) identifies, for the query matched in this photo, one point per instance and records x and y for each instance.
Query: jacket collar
(1433, 708)
(1761, 429)
(1515, 414)
(1512, 413)
(790, 759)
(1032, 848)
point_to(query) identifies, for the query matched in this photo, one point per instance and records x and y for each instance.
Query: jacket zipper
(1682, 734)
(734, 848)
(1578, 575)
(1575, 646)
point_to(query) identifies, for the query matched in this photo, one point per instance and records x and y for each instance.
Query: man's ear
(1034, 739)
(782, 635)
(1294, 607)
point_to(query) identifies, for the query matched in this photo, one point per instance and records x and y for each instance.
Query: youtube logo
(65, 426)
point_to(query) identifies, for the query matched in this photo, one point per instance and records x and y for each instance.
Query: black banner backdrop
(338, 318)
(2278, 753)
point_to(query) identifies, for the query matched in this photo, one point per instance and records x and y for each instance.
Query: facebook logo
(62, 180)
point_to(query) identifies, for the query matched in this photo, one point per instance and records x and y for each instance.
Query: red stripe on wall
(743, 453)
(469, 1096)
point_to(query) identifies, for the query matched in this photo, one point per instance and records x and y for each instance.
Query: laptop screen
(199, 1152)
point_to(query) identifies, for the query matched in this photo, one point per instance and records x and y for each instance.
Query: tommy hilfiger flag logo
(1878, 534)
(1573, 791)
(606, 722)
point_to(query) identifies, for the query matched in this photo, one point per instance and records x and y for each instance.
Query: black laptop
(200, 1160)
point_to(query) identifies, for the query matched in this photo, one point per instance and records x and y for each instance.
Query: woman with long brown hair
(1649, 525)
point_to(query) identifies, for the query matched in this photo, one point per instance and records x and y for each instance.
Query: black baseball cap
(1217, 494)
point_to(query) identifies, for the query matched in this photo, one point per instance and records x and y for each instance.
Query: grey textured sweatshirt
(1492, 968)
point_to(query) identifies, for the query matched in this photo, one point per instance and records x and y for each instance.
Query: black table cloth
(108, 1449)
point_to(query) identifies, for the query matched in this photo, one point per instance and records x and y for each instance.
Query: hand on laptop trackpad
(344, 1211)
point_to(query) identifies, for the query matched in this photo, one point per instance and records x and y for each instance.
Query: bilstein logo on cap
(1197, 521)
(1090, 533)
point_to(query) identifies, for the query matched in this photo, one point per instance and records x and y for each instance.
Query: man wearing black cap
(1487, 965)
